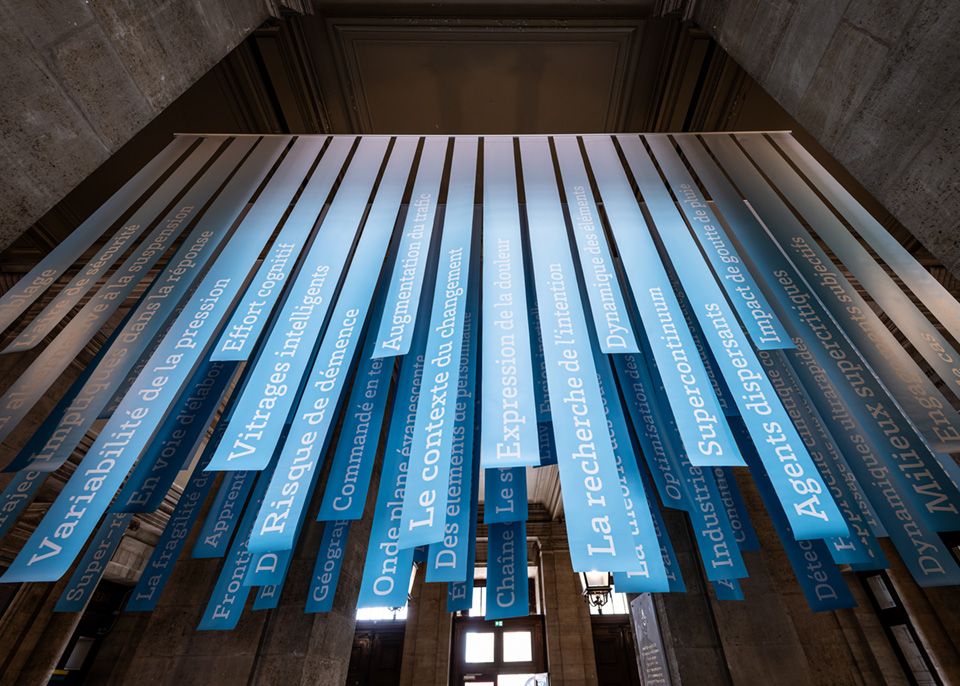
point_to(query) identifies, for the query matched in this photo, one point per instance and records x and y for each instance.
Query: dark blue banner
(508, 594)
(326, 571)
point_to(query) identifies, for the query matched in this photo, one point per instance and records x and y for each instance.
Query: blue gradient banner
(400, 312)
(424, 513)
(251, 314)
(508, 416)
(120, 284)
(316, 413)
(700, 421)
(60, 536)
(22, 294)
(447, 559)
(598, 525)
(151, 318)
(279, 371)
(758, 318)
(348, 482)
(806, 500)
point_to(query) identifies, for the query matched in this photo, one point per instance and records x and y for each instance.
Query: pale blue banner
(700, 421)
(279, 370)
(424, 512)
(316, 413)
(58, 539)
(151, 318)
(252, 313)
(508, 417)
(22, 294)
(396, 327)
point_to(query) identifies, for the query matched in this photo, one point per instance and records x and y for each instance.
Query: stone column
(570, 657)
(282, 646)
(426, 636)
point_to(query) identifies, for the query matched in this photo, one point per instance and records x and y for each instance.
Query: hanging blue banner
(251, 314)
(316, 413)
(271, 388)
(22, 294)
(906, 493)
(120, 284)
(861, 547)
(326, 571)
(611, 319)
(806, 500)
(504, 495)
(400, 311)
(721, 556)
(700, 421)
(59, 537)
(93, 563)
(348, 482)
(386, 568)
(224, 514)
(146, 594)
(820, 580)
(423, 518)
(761, 322)
(47, 367)
(657, 450)
(934, 296)
(598, 527)
(508, 417)
(508, 594)
(460, 593)
(149, 320)
(671, 564)
(447, 559)
(879, 345)
(880, 421)
(229, 594)
(176, 443)
(651, 574)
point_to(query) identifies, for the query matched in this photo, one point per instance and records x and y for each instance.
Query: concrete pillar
(427, 635)
(687, 625)
(276, 647)
(570, 657)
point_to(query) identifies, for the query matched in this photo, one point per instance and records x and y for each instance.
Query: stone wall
(876, 83)
(81, 78)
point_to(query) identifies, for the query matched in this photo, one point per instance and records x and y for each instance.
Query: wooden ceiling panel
(487, 78)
